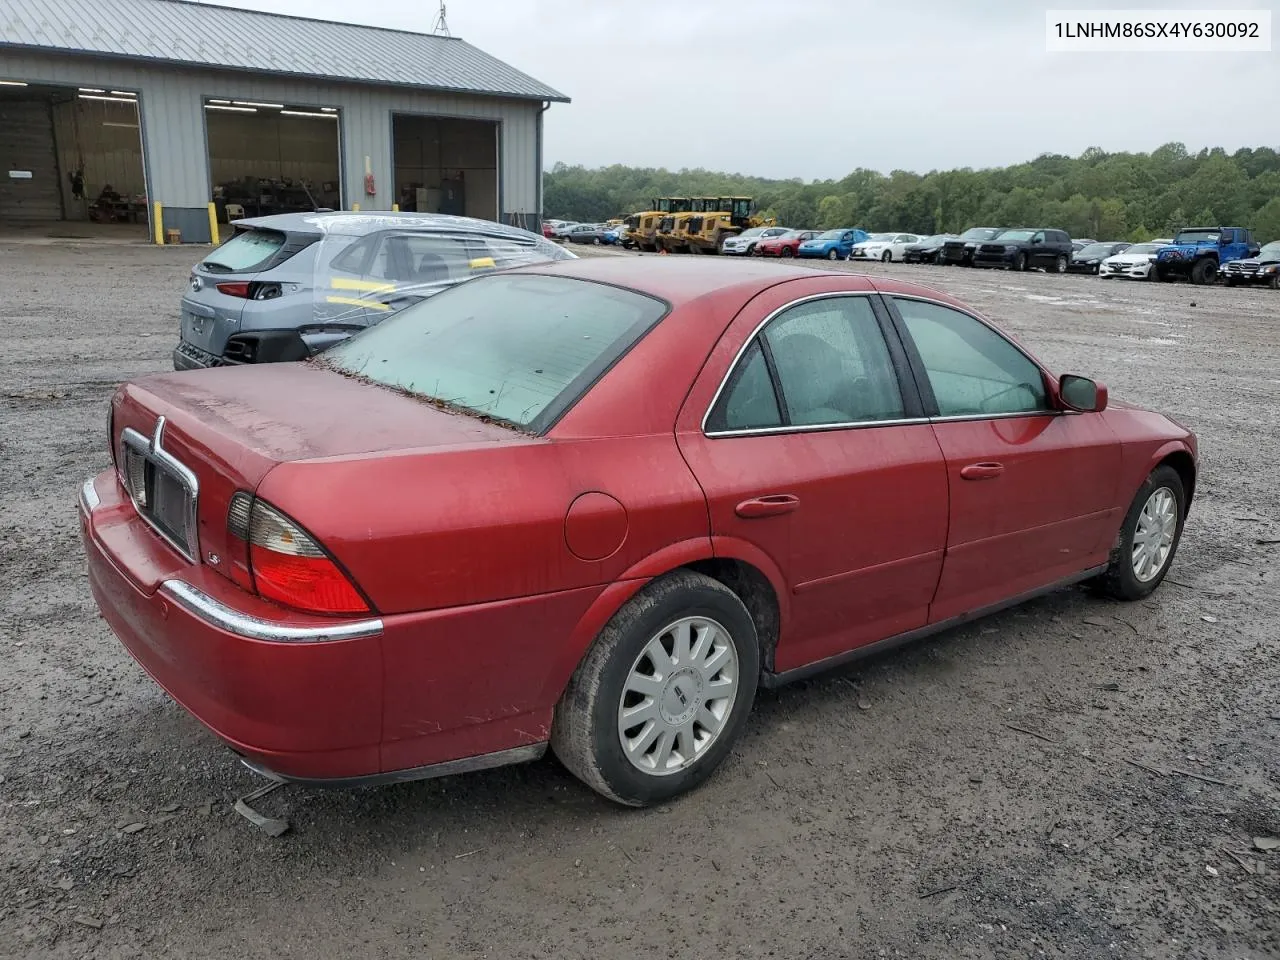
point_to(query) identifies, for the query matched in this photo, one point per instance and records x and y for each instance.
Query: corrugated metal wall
(172, 107)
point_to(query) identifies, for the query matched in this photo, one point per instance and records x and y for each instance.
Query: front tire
(1019, 262)
(1203, 272)
(886, 257)
(1148, 537)
(834, 254)
(662, 694)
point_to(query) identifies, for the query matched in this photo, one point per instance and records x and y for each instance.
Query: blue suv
(1198, 253)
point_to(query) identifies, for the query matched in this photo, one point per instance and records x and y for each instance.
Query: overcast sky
(815, 88)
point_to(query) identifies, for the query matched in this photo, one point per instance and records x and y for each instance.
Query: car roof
(353, 223)
(682, 280)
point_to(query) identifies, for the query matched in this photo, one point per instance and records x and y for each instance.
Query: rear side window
(831, 363)
(750, 402)
(518, 348)
(245, 252)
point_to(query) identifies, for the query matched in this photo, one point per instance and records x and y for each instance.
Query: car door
(1032, 488)
(806, 434)
(1038, 249)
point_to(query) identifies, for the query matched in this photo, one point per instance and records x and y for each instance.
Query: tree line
(1108, 196)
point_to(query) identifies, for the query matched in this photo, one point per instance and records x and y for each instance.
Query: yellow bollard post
(395, 208)
(157, 220)
(355, 208)
(213, 224)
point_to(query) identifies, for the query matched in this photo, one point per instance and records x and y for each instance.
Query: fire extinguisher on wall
(370, 185)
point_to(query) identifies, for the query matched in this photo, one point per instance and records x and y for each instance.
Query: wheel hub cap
(1154, 536)
(678, 696)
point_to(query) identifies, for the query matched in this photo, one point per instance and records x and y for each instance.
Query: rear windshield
(246, 251)
(517, 348)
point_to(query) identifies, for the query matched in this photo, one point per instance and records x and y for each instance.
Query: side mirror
(1037, 239)
(1082, 394)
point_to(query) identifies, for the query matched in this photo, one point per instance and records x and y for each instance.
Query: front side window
(972, 369)
(517, 348)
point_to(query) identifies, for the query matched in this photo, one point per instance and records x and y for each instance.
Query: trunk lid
(231, 425)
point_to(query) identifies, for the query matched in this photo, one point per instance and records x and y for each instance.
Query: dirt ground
(1074, 778)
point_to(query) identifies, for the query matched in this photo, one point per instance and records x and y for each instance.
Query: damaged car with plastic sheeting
(286, 287)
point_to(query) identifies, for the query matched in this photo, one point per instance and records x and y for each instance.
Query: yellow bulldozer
(642, 227)
(731, 215)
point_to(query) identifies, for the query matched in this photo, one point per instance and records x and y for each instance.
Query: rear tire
(1155, 521)
(645, 693)
(788, 252)
(1060, 264)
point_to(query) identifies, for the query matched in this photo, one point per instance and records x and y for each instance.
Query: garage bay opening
(446, 165)
(72, 164)
(267, 158)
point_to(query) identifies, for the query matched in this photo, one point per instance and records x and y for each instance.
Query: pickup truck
(1198, 253)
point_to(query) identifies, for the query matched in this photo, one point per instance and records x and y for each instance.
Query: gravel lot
(1074, 778)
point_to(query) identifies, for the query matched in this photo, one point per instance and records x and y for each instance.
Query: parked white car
(1136, 263)
(744, 244)
(883, 246)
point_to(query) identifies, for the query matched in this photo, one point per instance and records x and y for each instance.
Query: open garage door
(267, 158)
(445, 165)
(70, 155)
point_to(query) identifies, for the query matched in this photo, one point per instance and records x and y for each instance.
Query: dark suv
(959, 250)
(1025, 247)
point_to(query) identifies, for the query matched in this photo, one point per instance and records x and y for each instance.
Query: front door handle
(982, 471)
(771, 506)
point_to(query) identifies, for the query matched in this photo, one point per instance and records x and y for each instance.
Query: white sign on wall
(19, 174)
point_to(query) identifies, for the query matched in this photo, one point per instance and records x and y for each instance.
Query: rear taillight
(287, 564)
(251, 289)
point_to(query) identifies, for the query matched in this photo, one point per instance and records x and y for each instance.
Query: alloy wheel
(1155, 534)
(678, 696)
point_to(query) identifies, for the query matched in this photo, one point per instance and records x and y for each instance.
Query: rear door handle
(982, 471)
(771, 506)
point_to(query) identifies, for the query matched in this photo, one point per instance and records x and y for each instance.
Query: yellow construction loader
(642, 227)
(732, 215)
(673, 230)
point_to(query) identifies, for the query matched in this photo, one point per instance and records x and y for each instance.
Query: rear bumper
(295, 694)
(187, 357)
(303, 698)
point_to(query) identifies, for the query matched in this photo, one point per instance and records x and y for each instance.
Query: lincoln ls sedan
(593, 506)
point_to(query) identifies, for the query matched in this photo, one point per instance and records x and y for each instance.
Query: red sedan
(594, 504)
(784, 245)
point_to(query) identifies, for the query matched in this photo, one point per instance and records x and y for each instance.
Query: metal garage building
(134, 110)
